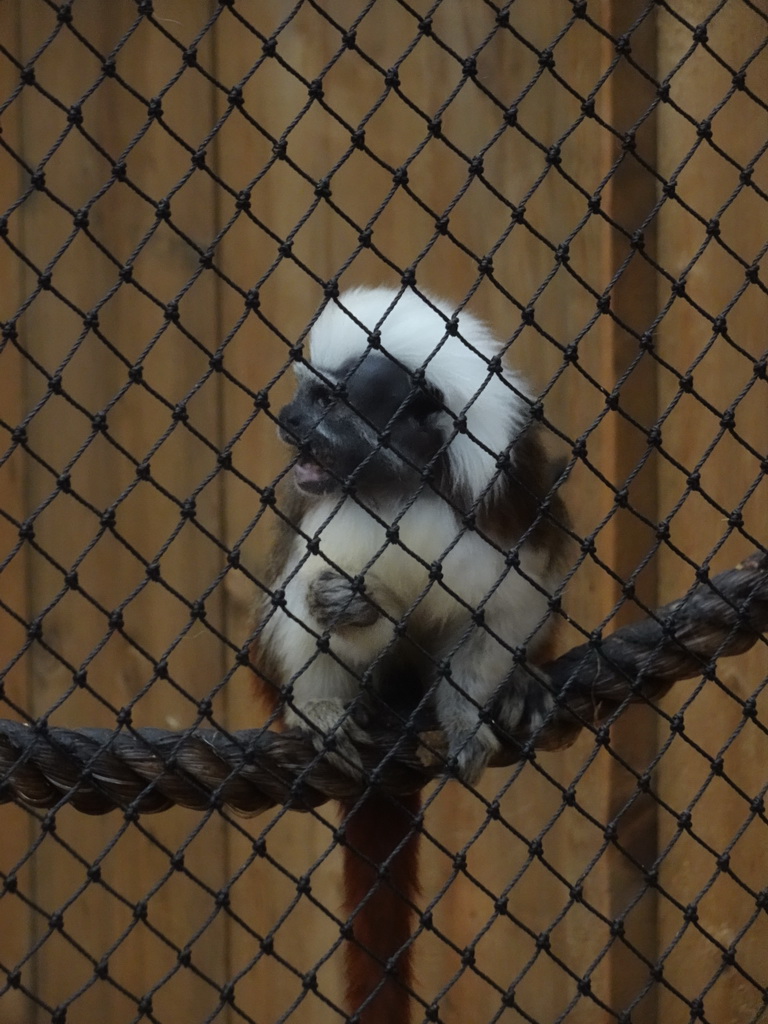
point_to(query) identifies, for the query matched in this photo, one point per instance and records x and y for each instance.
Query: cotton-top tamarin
(420, 543)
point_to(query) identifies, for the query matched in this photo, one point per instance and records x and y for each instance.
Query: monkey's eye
(425, 401)
(323, 398)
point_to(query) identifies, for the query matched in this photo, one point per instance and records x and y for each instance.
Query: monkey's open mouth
(311, 477)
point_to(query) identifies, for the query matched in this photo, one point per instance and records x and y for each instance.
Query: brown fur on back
(514, 509)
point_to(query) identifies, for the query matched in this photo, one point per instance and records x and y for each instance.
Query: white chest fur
(433, 568)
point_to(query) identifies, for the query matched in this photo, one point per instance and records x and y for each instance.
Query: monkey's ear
(425, 400)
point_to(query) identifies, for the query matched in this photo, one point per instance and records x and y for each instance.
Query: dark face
(371, 427)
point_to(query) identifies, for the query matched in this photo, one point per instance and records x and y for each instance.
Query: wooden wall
(228, 909)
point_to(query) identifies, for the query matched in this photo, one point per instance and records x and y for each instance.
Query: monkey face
(368, 426)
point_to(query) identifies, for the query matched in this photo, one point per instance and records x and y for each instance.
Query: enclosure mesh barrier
(184, 187)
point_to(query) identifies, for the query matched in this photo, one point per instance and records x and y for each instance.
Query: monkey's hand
(336, 602)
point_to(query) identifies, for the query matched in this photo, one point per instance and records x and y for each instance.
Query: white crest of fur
(415, 334)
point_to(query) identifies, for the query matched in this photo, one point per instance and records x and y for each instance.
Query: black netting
(187, 190)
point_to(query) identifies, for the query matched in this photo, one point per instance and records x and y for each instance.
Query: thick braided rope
(150, 770)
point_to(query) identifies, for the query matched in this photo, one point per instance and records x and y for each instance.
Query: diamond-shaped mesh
(183, 186)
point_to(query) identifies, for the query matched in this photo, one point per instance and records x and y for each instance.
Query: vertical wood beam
(626, 543)
(17, 832)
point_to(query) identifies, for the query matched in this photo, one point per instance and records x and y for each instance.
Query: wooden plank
(626, 544)
(17, 833)
(722, 368)
(133, 861)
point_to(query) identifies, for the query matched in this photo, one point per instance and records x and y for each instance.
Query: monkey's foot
(473, 752)
(433, 748)
(336, 602)
(333, 731)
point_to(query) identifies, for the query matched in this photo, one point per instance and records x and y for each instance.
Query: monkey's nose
(290, 421)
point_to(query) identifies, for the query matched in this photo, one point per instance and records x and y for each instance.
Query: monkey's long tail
(380, 885)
